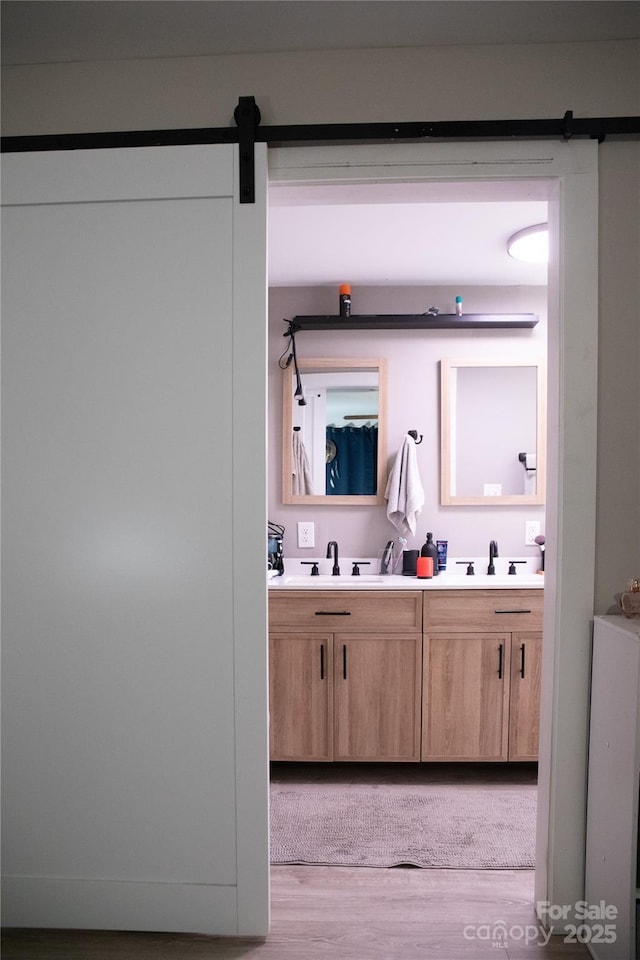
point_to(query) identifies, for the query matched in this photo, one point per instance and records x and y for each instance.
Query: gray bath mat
(474, 829)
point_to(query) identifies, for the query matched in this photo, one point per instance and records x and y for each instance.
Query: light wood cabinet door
(524, 709)
(301, 696)
(466, 696)
(377, 697)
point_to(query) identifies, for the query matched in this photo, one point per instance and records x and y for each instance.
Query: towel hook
(414, 434)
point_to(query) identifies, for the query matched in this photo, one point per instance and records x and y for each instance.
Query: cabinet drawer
(347, 612)
(471, 610)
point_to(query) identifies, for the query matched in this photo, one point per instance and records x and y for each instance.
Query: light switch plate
(306, 533)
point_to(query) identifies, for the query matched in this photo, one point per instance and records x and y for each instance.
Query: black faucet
(336, 569)
(493, 553)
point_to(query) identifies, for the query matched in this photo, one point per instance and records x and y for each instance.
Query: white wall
(618, 488)
(335, 86)
(413, 403)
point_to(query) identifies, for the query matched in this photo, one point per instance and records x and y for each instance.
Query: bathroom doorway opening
(570, 181)
(447, 228)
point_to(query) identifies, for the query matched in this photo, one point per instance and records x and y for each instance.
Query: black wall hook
(414, 434)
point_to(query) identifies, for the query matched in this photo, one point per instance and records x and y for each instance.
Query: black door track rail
(248, 132)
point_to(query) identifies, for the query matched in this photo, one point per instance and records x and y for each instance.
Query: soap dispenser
(430, 549)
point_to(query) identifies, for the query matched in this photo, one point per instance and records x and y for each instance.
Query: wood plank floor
(353, 913)
(344, 913)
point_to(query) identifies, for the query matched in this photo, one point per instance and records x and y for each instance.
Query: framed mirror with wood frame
(334, 446)
(493, 432)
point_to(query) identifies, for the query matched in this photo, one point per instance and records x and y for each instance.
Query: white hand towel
(300, 470)
(404, 489)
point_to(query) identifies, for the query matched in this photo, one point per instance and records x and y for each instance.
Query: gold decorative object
(630, 603)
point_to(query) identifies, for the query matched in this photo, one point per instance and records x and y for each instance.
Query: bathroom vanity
(416, 671)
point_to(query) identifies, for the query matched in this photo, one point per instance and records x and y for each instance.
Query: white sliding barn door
(135, 780)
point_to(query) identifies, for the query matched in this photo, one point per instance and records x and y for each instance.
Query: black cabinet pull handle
(333, 613)
(322, 661)
(522, 661)
(500, 660)
(512, 611)
(344, 661)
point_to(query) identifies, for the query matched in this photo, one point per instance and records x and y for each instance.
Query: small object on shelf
(345, 300)
(458, 306)
(630, 604)
(424, 568)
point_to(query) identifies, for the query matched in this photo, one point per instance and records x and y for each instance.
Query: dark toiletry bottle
(429, 549)
(345, 300)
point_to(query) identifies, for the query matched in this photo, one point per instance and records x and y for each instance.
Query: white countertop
(297, 576)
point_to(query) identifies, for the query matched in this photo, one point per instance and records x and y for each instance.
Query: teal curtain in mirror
(352, 457)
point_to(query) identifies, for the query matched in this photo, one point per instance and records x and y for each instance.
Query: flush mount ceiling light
(530, 245)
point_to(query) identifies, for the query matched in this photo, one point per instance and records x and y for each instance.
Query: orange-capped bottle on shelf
(345, 300)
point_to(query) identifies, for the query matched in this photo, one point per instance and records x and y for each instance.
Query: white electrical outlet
(306, 533)
(531, 531)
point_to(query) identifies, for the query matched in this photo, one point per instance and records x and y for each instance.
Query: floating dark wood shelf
(415, 321)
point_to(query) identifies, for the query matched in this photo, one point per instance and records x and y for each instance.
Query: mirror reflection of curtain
(352, 460)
